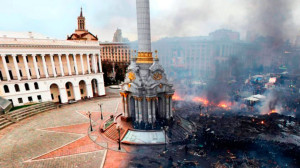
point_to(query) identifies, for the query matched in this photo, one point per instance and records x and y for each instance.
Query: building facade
(37, 69)
(115, 52)
(198, 58)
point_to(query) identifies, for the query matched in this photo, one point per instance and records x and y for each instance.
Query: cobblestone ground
(59, 138)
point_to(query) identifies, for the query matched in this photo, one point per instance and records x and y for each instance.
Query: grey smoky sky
(57, 18)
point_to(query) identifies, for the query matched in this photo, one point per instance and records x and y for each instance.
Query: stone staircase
(112, 133)
(18, 115)
(4, 122)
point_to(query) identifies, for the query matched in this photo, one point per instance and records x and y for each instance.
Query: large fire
(200, 100)
(205, 102)
(176, 97)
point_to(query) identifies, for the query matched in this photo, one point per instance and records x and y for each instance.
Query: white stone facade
(33, 70)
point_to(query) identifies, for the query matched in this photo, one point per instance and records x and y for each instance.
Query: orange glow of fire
(272, 111)
(224, 105)
(176, 97)
(200, 100)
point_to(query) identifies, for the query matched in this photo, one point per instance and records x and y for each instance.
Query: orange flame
(176, 97)
(200, 100)
(272, 111)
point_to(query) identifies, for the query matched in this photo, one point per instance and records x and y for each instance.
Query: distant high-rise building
(116, 51)
(118, 37)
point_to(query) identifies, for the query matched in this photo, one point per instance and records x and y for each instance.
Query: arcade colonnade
(47, 65)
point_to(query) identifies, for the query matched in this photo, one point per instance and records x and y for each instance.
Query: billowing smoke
(272, 103)
(272, 18)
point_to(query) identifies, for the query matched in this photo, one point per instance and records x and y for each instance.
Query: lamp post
(165, 128)
(90, 116)
(100, 105)
(119, 140)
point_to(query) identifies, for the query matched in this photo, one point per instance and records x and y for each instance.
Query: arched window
(27, 86)
(6, 89)
(36, 85)
(17, 88)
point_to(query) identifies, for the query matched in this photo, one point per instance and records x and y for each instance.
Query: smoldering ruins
(242, 96)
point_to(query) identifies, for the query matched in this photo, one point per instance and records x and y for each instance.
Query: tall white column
(94, 63)
(45, 66)
(35, 66)
(153, 110)
(99, 63)
(89, 91)
(68, 64)
(149, 110)
(171, 110)
(53, 65)
(26, 67)
(5, 67)
(140, 109)
(16, 66)
(136, 109)
(82, 66)
(63, 95)
(77, 93)
(167, 106)
(126, 106)
(61, 65)
(143, 25)
(75, 64)
(99, 88)
(88, 63)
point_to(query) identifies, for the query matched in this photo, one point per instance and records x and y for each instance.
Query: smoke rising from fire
(272, 18)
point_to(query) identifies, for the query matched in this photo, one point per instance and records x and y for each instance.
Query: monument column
(168, 106)
(136, 110)
(154, 109)
(149, 109)
(140, 99)
(123, 102)
(171, 110)
(126, 104)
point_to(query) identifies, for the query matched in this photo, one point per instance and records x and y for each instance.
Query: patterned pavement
(61, 138)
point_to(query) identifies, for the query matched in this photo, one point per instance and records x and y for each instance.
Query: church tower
(81, 33)
(81, 22)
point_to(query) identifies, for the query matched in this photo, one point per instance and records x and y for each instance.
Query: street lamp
(165, 128)
(90, 116)
(119, 140)
(101, 110)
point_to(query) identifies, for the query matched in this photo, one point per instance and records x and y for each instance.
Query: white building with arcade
(35, 68)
